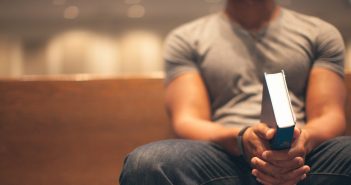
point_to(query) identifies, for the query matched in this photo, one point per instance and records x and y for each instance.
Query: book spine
(283, 138)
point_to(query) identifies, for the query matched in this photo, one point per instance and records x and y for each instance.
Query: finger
(265, 167)
(298, 150)
(264, 132)
(297, 174)
(289, 165)
(270, 134)
(277, 155)
(264, 178)
(297, 132)
(253, 144)
(294, 182)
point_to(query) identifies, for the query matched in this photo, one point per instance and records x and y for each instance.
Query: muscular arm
(189, 108)
(325, 103)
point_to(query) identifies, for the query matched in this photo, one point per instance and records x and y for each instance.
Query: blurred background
(112, 37)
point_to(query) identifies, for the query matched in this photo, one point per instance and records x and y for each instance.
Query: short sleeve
(179, 55)
(330, 49)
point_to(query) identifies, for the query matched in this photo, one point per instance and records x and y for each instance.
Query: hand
(256, 140)
(283, 167)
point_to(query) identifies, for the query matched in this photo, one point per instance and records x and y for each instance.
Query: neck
(252, 14)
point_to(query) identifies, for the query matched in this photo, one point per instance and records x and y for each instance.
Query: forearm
(324, 107)
(324, 127)
(199, 129)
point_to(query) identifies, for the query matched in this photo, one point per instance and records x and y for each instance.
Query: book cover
(276, 110)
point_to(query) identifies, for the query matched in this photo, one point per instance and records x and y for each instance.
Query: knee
(152, 159)
(145, 157)
(336, 152)
(339, 146)
(342, 146)
(331, 162)
(343, 139)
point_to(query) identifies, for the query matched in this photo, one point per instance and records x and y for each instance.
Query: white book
(277, 111)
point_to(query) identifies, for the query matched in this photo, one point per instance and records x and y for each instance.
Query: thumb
(297, 132)
(270, 133)
(263, 131)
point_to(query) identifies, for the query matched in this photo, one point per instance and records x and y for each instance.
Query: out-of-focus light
(132, 1)
(71, 12)
(11, 56)
(66, 52)
(136, 11)
(82, 51)
(103, 56)
(141, 52)
(58, 2)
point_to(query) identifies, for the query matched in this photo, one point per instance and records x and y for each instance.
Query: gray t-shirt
(232, 61)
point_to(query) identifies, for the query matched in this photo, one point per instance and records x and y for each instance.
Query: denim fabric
(330, 163)
(188, 162)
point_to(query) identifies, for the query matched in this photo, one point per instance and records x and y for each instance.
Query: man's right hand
(256, 140)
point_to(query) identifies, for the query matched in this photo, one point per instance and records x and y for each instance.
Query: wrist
(240, 141)
(309, 143)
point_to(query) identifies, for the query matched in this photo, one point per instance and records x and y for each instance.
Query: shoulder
(310, 24)
(326, 40)
(312, 28)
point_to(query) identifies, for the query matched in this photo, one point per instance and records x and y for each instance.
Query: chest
(236, 58)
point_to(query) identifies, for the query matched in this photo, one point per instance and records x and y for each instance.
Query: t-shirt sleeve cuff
(338, 69)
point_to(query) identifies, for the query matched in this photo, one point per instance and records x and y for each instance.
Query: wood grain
(76, 132)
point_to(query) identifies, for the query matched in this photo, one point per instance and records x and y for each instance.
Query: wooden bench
(75, 130)
(78, 129)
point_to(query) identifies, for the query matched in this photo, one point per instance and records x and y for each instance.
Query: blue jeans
(187, 162)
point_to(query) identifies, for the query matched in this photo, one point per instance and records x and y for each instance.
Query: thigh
(330, 163)
(184, 162)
